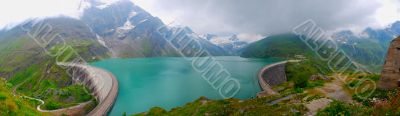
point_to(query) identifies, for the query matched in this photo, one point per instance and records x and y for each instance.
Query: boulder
(390, 76)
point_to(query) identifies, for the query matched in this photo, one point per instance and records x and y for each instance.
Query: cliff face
(391, 69)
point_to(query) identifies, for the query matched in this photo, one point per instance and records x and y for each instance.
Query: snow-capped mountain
(231, 44)
(129, 31)
(370, 46)
(121, 27)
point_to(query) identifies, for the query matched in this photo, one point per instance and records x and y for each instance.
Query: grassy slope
(293, 106)
(35, 74)
(283, 46)
(235, 107)
(14, 105)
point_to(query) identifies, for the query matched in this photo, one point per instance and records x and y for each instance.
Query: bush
(366, 97)
(318, 83)
(298, 90)
(300, 73)
(338, 108)
(3, 96)
(52, 105)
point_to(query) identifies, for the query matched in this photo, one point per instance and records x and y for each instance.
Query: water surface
(169, 82)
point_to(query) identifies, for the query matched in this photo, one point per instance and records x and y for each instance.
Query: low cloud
(264, 16)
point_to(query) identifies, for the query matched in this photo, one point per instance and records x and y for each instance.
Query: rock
(319, 77)
(316, 105)
(391, 70)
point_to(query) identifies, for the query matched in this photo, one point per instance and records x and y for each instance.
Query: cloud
(225, 17)
(249, 37)
(389, 11)
(266, 16)
(16, 11)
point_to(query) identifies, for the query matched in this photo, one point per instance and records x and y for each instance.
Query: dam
(101, 83)
(271, 75)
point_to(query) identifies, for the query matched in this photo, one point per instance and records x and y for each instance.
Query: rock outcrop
(390, 77)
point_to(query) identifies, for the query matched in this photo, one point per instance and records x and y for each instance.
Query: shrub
(338, 108)
(3, 96)
(300, 73)
(52, 105)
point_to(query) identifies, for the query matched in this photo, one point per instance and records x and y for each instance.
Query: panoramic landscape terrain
(199, 57)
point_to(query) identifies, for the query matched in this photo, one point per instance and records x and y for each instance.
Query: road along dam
(101, 83)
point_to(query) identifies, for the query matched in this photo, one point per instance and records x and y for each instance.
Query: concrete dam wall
(271, 75)
(101, 83)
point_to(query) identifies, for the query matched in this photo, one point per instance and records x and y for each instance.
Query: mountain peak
(234, 38)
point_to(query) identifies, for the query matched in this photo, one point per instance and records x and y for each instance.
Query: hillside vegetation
(282, 46)
(31, 71)
(11, 105)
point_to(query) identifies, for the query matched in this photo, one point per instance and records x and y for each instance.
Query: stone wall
(271, 75)
(390, 76)
(101, 84)
(275, 74)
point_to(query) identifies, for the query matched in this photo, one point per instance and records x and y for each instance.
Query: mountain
(29, 51)
(232, 45)
(129, 31)
(26, 63)
(370, 46)
(282, 45)
(367, 48)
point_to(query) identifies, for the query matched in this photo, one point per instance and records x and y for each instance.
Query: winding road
(105, 89)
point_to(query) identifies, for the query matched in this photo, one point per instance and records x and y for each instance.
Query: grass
(38, 76)
(233, 107)
(14, 105)
(51, 88)
(338, 108)
(300, 72)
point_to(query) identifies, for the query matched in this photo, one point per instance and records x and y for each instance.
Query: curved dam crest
(271, 75)
(102, 84)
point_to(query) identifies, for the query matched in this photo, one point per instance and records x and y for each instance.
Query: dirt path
(316, 105)
(335, 90)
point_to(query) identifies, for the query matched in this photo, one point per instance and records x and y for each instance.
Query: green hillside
(32, 72)
(283, 46)
(11, 105)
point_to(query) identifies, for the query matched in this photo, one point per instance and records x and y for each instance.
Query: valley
(118, 59)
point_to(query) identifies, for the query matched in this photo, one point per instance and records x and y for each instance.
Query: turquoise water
(170, 82)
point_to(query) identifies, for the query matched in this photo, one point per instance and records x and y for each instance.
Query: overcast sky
(231, 16)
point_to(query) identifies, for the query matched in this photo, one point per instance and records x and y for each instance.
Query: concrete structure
(102, 84)
(271, 75)
(390, 76)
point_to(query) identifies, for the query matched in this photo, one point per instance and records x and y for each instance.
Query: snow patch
(127, 26)
(132, 14)
(101, 41)
(221, 40)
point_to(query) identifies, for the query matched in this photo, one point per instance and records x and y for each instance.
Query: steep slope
(31, 69)
(283, 46)
(129, 31)
(233, 45)
(15, 105)
(369, 47)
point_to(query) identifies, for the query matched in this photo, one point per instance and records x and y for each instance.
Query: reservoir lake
(169, 82)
